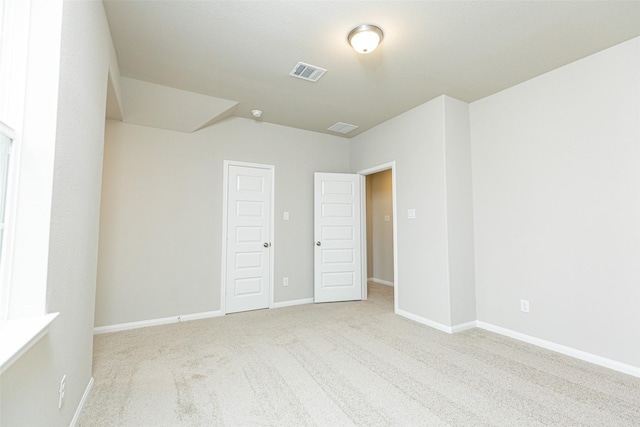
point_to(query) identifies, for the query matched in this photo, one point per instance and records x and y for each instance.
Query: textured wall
(459, 212)
(556, 208)
(30, 386)
(415, 141)
(161, 223)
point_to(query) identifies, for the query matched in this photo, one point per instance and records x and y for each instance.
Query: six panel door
(248, 254)
(337, 259)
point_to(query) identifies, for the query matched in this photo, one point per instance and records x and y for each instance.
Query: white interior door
(248, 248)
(338, 254)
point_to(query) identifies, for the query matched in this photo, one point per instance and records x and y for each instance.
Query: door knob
(266, 245)
(318, 243)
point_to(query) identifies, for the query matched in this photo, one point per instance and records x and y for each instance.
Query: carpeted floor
(344, 364)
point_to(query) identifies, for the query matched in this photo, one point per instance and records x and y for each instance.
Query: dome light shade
(365, 38)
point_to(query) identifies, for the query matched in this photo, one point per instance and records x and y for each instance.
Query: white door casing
(248, 250)
(338, 250)
(363, 174)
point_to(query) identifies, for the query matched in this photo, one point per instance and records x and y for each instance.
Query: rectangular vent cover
(342, 128)
(307, 72)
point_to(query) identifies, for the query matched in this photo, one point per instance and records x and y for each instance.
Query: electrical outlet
(285, 281)
(524, 305)
(63, 385)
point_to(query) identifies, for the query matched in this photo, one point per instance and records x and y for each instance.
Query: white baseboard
(424, 321)
(155, 322)
(464, 326)
(559, 348)
(83, 401)
(568, 351)
(436, 325)
(294, 302)
(183, 318)
(380, 281)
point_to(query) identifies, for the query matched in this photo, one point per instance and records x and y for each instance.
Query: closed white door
(248, 248)
(338, 254)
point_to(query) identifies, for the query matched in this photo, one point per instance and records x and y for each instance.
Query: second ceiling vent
(341, 127)
(307, 72)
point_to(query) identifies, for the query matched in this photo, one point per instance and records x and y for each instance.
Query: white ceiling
(243, 51)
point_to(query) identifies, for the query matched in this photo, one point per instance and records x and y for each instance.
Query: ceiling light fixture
(256, 113)
(365, 38)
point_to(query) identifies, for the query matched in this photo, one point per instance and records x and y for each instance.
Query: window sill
(19, 335)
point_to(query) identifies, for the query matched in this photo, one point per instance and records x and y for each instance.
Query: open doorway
(380, 230)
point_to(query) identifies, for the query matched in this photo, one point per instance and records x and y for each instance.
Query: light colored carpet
(344, 364)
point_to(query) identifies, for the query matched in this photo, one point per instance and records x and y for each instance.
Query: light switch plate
(286, 216)
(411, 213)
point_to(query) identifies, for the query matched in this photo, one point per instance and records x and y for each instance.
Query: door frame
(363, 219)
(225, 196)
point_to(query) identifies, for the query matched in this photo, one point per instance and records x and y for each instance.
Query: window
(13, 44)
(30, 33)
(5, 153)
(6, 170)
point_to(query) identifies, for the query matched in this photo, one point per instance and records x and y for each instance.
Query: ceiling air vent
(342, 128)
(307, 72)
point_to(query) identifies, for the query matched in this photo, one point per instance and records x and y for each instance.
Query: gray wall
(459, 212)
(556, 180)
(161, 223)
(430, 145)
(369, 229)
(415, 141)
(30, 386)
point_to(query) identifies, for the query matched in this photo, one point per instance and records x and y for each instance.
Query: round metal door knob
(318, 243)
(266, 245)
